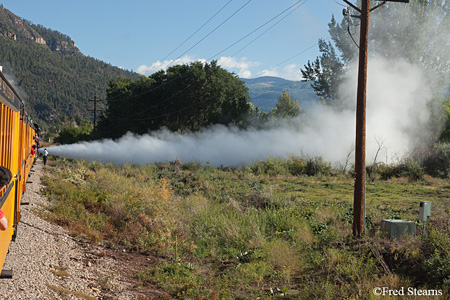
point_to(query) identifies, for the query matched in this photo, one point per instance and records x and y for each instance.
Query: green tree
(70, 135)
(418, 32)
(326, 72)
(286, 107)
(445, 135)
(187, 96)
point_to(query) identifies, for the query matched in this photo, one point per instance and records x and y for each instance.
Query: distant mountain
(50, 73)
(264, 91)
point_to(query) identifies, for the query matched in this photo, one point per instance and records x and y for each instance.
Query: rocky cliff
(15, 28)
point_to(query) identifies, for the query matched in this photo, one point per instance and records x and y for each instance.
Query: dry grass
(284, 258)
(63, 291)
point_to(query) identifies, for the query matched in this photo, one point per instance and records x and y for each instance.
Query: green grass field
(273, 229)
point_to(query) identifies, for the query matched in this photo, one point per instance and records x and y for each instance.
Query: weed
(63, 291)
(104, 280)
(60, 271)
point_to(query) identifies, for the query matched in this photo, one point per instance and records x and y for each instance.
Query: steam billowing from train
(398, 119)
(396, 111)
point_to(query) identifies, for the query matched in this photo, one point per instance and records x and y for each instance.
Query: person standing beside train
(45, 155)
(5, 178)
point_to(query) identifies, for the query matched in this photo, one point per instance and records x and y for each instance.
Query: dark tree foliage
(185, 97)
(325, 73)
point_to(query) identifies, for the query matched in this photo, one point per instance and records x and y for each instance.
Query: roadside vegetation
(272, 229)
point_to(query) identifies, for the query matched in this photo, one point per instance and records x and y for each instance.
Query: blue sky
(139, 35)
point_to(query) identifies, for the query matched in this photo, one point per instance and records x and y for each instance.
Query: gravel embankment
(49, 264)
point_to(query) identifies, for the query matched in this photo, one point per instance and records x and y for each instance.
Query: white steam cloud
(398, 95)
(396, 110)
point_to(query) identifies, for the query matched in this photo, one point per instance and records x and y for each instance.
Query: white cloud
(290, 72)
(241, 67)
(269, 72)
(163, 65)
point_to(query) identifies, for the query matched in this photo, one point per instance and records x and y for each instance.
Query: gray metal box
(396, 228)
(425, 211)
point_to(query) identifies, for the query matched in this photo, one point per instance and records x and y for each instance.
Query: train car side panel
(16, 138)
(9, 121)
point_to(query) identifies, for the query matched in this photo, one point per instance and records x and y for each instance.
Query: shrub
(437, 269)
(296, 165)
(413, 169)
(389, 171)
(317, 166)
(437, 160)
(270, 167)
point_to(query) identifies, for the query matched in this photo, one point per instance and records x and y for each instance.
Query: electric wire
(340, 4)
(211, 32)
(136, 96)
(348, 29)
(351, 35)
(170, 97)
(143, 93)
(197, 30)
(166, 114)
(198, 103)
(290, 7)
(269, 28)
(161, 102)
(295, 55)
(298, 4)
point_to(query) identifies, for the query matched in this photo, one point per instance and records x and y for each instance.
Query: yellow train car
(17, 134)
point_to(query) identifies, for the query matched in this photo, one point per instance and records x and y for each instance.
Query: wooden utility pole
(360, 150)
(95, 109)
(359, 201)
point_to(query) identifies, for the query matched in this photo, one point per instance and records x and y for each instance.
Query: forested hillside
(53, 77)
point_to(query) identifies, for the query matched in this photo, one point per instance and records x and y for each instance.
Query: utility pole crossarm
(403, 1)
(375, 7)
(353, 6)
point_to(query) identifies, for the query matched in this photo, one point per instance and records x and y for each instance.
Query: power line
(166, 114)
(340, 4)
(256, 29)
(161, 102)
(196, 30)
(269, 29)
(295, 6)
(295, 55)
(298, 4)
(217, 27)
(146, 92)
(167, 82)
